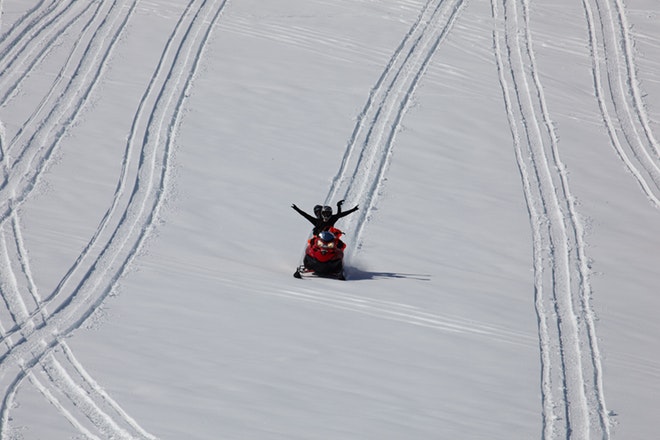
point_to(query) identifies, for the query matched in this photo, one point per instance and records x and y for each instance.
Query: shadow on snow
(354, 274)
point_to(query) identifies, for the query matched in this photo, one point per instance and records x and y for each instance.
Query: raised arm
(311, 219)
(345, 213)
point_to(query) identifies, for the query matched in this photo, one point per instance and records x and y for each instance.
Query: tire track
(34, 154)
(55, 92)
(24, 24)
(91, 401)
(28, 49)
(617, 90)
(23, 55)
(11, 38)
(85, 63)
(363, 169)
(127, 223)
(48, 30)
(573, 403)
(53, 400)
(361, 175)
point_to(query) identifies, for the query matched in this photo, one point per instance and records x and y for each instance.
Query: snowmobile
(324, 256)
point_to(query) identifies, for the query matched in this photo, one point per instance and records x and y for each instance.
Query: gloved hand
(339, 203)
(294, 206)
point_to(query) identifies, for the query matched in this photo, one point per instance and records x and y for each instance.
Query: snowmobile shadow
(354, 274)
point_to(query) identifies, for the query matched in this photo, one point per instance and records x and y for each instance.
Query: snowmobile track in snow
(25, 159)
(34, 346)
(573, 402)
(364, 165)
(619, 96)
(28, 49)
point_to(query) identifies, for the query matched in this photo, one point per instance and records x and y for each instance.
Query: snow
(502, 267)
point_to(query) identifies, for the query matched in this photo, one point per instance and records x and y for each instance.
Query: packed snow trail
(32, 37)
(364, 165)
(34, 348)
(573, 402)
(617, 90)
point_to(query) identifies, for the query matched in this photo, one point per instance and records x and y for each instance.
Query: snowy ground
(502, 266)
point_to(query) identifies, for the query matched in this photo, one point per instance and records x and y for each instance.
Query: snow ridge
(573, 403)
(34, 348)
(364, 165)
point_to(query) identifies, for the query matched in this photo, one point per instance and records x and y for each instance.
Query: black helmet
(326, 212)
(317, 211)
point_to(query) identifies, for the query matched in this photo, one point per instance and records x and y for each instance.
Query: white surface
(502, 267)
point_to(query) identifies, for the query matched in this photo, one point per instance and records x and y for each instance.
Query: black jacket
(321, 225)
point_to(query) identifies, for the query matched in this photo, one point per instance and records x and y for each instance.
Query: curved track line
(53, 400)
(582, 301)
(144, 199)
(619, 96)
(27, 55)
(55, 93)
(366, 159)
(81, 399)
(42, 308)
(16, 306)
(571, 374)
(103, 396)
(130, 168)
(92, 402)
(11, 38)
(26, 168)
(24, 24)
(33, 46)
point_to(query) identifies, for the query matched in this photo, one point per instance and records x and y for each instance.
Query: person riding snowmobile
(326, 219)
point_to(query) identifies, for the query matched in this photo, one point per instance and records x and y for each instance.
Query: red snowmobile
(324, 256)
